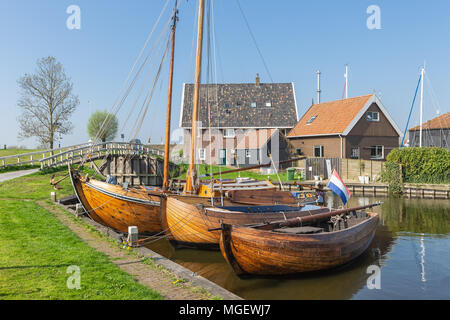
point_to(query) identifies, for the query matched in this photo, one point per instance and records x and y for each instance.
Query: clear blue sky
(296, 38)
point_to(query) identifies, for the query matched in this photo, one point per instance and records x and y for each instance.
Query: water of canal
(411, 247)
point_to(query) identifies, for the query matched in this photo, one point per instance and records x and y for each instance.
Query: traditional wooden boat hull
(261, 252)
(188, 221)
(116, 208)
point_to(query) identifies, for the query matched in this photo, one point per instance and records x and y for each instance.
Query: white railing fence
(72, 154)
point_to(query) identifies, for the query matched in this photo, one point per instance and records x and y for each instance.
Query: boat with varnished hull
(297, 246)
(116, 207)
(191, 221)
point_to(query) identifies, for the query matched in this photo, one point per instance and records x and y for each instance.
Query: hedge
(422, 165)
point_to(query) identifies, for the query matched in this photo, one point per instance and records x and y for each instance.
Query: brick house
(435, 133)
(248, 120)
(357, 128)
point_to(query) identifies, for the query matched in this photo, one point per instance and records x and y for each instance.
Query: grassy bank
(12, 161)
(36, 186)
(14, 151)
(244, 174)
(36, 250)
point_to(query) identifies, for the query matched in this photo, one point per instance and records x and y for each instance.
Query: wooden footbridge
(75, 154)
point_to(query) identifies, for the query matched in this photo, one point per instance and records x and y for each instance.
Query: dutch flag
(337, 186)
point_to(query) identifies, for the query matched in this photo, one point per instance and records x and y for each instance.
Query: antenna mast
(346, 81)
(318, 87)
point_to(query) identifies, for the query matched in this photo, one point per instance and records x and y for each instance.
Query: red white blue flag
(337, 186)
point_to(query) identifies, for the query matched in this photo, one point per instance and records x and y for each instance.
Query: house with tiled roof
(358, 128)
(238, 123)
(435, 133)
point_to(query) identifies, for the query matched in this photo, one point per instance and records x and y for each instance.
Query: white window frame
(268, 104)
(229, 133)
(322, 151)
(202, 154)
(372, 119)
(358, 155)
(382, 153)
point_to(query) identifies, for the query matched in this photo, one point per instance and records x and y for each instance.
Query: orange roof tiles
(331, 117)
(441, 122)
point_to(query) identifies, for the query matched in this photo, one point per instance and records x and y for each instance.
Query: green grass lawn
(245, 174)
(36, 186)
(36, 251)
(14, 151)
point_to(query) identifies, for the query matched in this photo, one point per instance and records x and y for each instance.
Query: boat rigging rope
(154, 84)
(276, 171)
(254, 40)
(167, 232)
(410, 112)
(116, 105)
(149, 98)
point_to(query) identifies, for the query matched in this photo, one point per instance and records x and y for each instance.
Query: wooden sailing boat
(117, 207)
(306, 244)
(193, 218)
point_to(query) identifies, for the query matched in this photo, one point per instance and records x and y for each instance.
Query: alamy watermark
(74, 280)
(374, 20)
(232, 145)
(374, 280)
(73, 22)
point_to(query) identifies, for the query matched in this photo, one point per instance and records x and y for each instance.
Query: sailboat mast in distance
(169, 102)
(421, 107)
(191, 172)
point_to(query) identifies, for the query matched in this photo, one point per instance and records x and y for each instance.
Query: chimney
(258, 80)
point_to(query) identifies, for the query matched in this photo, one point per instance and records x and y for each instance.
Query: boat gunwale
(123, 197)
(372, 216)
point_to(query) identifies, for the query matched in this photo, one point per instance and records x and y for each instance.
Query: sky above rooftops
(296, 38)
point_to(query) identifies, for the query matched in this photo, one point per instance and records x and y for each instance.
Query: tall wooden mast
(198, 69)
(169, 103)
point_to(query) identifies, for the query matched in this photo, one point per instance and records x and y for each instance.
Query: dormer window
(373, 116)
(311, 120)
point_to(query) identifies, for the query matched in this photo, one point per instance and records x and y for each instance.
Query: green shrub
(392, 174)
(422, 165)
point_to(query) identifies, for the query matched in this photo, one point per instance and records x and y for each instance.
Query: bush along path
(47, 253)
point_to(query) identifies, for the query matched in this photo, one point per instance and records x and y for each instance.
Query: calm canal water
(411, 247)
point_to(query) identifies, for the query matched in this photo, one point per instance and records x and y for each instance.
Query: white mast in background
(421, 105)
(318, 87)
(346, 81)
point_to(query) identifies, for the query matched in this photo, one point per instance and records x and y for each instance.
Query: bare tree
(46, 101)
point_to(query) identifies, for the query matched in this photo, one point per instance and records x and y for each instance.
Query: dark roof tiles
(231, 105)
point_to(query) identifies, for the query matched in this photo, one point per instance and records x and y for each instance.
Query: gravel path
(16, 174)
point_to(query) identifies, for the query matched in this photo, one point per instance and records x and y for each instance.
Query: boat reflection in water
(405, 228)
